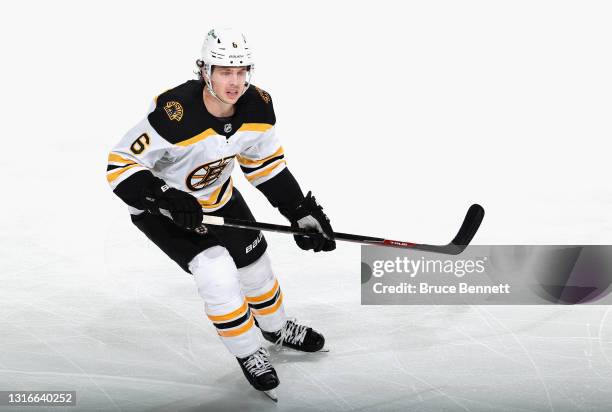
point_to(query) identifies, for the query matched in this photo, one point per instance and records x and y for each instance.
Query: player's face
(228, 82)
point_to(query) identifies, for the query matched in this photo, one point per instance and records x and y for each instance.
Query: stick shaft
(464, 236)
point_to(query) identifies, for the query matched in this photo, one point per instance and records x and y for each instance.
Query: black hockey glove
(183, 207)
(309, 215)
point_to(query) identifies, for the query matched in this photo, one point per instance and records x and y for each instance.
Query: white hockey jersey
(191, 150)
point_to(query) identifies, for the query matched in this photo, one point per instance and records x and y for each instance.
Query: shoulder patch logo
(264, 95)
(174, 110)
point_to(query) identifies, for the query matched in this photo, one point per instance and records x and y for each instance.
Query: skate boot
(296, 336)
(260, 373)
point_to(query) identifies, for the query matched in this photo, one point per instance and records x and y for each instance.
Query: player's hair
(200, 66)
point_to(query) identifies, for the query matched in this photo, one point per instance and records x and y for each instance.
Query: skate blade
(271, 394)
(288, 349)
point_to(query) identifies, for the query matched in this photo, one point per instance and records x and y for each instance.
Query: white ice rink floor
(129, 334)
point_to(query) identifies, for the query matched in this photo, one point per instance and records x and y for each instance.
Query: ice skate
(260, 373)
(296, 336)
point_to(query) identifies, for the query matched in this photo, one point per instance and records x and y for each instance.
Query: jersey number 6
(140, 144)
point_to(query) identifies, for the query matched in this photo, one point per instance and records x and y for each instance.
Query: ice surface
(131, 335)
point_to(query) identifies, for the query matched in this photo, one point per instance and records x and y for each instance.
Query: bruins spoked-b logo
(207, 174)
(174, 110)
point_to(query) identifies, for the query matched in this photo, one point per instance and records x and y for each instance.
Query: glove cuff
(296, 212)
(152, 193)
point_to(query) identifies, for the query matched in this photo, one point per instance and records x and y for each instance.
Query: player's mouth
(232, 94)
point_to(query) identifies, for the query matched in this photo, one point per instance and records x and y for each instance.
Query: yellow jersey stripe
(118, 159)
(197, 138)
(255, 127)
(238, 331)
(244, 161)
(114, 175)
(266, 295)
(229, 316)
(271, 309)
(226, 196)
(213, 196)
(266, 171)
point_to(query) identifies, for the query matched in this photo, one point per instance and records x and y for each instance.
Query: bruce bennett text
(427, 289)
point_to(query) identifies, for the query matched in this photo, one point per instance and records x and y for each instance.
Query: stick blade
(469, 227)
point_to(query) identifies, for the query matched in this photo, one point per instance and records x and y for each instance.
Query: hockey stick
(464, 236)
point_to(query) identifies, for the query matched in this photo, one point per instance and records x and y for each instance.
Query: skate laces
(292, 333)
(258, 363)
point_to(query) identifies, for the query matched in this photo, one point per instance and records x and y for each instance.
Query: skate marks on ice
(139, 336)
(421, 358)
(548, 361)
(476, 356)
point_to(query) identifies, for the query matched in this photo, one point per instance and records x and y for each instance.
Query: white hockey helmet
(225, 47)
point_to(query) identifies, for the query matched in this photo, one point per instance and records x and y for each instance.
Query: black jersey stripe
(113, 167)
(247, 169)
(222, 191)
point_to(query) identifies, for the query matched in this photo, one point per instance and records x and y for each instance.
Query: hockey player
(178, 161)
